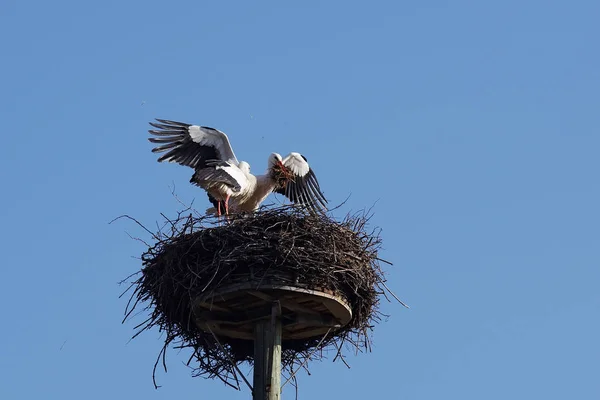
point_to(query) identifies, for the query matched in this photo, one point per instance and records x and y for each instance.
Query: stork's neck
(264, 186)
(261, 186)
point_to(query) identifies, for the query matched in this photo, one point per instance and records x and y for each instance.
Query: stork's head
(278, 172)
(275, 160)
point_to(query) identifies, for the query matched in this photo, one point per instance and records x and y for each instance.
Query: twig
(317, 347)
(137, 222)
(230, 360)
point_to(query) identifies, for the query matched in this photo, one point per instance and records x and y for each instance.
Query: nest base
(234, 310)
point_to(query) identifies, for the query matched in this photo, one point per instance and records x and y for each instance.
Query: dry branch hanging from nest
(193, 256)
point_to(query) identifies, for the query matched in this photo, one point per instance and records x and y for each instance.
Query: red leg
(218, 209)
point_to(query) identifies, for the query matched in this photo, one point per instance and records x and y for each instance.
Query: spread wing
(190, 145)
(220, 172)
(303, 187)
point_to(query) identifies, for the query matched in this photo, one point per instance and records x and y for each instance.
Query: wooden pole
(260, 362)
(267, 357)
(275, 370)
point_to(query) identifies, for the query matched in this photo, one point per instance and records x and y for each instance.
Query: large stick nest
(193, 255)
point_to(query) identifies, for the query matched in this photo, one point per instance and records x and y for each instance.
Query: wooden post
(275, 370)
(260, 368)
(267, 357)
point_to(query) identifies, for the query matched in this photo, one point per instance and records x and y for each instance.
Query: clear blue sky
(474, 125)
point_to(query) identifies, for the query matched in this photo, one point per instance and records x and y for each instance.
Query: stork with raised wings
(218, 171)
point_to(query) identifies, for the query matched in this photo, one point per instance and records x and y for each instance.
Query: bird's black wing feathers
(174, 138)
(305, 190)
(214, 175)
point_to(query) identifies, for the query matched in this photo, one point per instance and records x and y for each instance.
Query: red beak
(283, 168)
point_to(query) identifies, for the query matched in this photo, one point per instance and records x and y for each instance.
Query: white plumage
(228, 181)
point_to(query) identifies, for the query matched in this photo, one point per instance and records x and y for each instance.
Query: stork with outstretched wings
(227, 181)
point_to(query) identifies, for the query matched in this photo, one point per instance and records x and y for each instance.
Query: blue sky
(472, 125)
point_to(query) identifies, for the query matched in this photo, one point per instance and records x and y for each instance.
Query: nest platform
(233, 311)
(205, 284)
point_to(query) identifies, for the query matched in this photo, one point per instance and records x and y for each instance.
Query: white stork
(218, 171)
